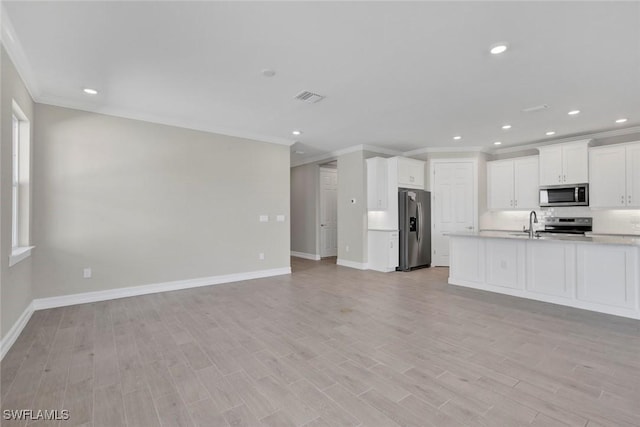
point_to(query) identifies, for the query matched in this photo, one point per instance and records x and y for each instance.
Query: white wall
(142, 203)
(15, 282)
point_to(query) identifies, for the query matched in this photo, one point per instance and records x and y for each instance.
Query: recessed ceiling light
(498, 48)
(550, 133)
(497, 143)
(621, 120)
(457, 137)
(90, 91)
(505, 127)
(296, 132)
(573, 112)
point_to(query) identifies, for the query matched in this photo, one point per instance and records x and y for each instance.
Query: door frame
(431, 167)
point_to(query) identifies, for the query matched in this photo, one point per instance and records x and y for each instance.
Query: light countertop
(601, 239)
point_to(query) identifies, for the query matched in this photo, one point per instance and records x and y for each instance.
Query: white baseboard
(352, 264)
(86, 297)
(313, 257)
(13, 334)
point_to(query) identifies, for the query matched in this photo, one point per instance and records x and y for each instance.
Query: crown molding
(426, 150)
(156, 119)
(572, 138)
(12, 45)
(333, 154)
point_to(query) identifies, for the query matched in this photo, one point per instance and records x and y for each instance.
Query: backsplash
(605, 221)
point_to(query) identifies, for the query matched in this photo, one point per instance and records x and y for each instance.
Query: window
(20, 197)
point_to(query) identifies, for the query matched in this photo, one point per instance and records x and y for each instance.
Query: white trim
(313, 257)
(353, 149)
(352, 264)
(522, 293)
(161, 120)
(16, 53)
(474, 149)
(18, 254)
(10, 338)
(86, 297)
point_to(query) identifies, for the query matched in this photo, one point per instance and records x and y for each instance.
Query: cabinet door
(411, 173)
(633, 175)
(526, 183)
(505, 263)
(551, 165)
(614, 285)
(393, 254)
(500, 184)
(608, 177)
(551, 268)
(575, 163)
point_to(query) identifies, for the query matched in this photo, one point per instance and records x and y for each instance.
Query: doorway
(454, 202)
(328, 210)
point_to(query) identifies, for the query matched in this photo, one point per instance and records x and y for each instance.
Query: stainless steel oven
(564, 195)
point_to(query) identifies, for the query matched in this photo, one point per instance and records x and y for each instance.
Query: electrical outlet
(261, 256)
(347, 248)
(86, 273)
(264, 218)
(280, 218)
(353, 201)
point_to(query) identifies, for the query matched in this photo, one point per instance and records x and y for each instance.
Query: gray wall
(352, 217)
(305, 192)
(142, 203)
(15, 282)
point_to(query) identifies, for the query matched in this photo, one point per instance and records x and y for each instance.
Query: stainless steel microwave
(564, 195)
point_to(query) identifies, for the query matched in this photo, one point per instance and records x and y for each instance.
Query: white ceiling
(399, 75)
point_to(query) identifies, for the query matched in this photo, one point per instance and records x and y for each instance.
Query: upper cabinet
(513, 183)
(377, 184)
(615, 176)
(410, 172)
(564, 163)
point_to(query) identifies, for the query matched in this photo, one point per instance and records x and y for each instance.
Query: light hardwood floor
(327, 346)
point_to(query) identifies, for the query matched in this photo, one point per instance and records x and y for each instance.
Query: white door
(453, 205)
(328, 212)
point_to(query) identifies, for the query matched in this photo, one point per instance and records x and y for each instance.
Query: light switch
(264, 218)
(280, 218)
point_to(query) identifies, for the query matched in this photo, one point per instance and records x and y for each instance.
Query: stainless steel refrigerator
(414, 209)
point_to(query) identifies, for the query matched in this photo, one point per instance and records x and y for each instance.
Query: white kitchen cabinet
(467, 259)
(607, 187)
(513, 183)
(410, 173)
(615, 176)
(564, 163)
(383, 250)
(607, 274)
(377, 184)
(551, 268)
(505, 263)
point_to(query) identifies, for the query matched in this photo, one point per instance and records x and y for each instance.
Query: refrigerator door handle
(419, 222)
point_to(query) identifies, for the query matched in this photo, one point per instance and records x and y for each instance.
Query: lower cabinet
(505, 263)
(607, 275)
(591, 276)
(551, 268)
(383, 250)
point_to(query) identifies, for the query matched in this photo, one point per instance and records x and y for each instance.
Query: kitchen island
(597, 273)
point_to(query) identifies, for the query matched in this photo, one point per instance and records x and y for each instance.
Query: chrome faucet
(533, 218)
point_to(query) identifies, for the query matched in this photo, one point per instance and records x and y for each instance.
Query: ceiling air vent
(536, 108)
(309, 97)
